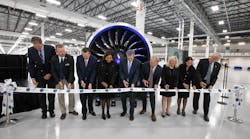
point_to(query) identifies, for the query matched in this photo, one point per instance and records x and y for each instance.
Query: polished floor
(31, 126)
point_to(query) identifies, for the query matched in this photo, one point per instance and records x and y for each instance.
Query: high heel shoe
(178, 111)
(163, 115)
(183, 113)
(108, 115)
(103, 116)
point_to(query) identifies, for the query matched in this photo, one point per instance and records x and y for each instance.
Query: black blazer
(36, 68)
(170, 77)
(146, 71)
(186, 76)
(133, 76)
(107, 72)
(202, 68)
(68, 69)
(86, 74)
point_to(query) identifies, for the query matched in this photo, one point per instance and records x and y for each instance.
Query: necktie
(150, 79)
(129, 67)
(86, 62)
(208, 76)
(61, 66)
(41, 56)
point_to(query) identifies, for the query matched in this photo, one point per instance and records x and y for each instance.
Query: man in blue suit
(86, 71)
(40, 72)
(129, 70)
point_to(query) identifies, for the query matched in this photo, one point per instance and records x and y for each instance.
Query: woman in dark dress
(169, 80)
(186, 76)
(107, 74)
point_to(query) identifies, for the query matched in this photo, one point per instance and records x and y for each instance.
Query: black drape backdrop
(15, 67)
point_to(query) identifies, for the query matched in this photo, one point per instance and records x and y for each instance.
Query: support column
(42, 32)
(166, 52)
(215, 49)
(140, 16)
(191, 38)
(207, 47)
(182, 33)
(179, 35)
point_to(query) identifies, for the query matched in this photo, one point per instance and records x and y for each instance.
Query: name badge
(67, 64)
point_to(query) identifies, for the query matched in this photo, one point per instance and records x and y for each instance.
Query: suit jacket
(107, 72)
(202, 69)
(146, 71)
(86, 74)
(170, 77)
(68, 68)
(36, 68)
(133, 76)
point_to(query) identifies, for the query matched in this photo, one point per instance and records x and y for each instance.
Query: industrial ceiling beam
(192, 10)
(62, 14)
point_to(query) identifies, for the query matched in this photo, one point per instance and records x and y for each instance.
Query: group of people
(54, 68)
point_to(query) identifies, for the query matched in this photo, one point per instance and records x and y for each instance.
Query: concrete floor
(31, 126)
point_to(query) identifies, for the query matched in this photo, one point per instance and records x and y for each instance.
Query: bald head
(154, 61)
(214, 57)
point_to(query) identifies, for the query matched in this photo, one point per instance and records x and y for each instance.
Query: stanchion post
(235, 117)
(8, 122)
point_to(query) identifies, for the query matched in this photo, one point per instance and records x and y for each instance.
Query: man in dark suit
(40, 71)
(129, 70)
(150, 74)
(62, 69)
(206, 72)
(86, 71)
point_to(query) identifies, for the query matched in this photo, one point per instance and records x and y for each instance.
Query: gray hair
(155, 58)
(130, 53)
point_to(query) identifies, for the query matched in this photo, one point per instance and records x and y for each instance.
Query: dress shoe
(84, 117)
(52, 114)
(103, 116)
(194, 111)
(123, 114)
(206, 118)
(153, 117)
(63, 116)
(74, 113)
(131, 118)
(44, 116)
(142, 112)
(92, 113)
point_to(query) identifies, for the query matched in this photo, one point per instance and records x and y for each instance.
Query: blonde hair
(172, 58)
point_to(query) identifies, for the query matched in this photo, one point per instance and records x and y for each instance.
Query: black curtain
(15, 67)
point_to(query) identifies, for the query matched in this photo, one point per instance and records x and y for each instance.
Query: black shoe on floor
(44, 116)
(123, 114)
(52, 114)
(108, 116)
(92, 113)
(183, 113)
(131, 118)
(84, 117)
(194, 111)
(206, 118)
(103, 116)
